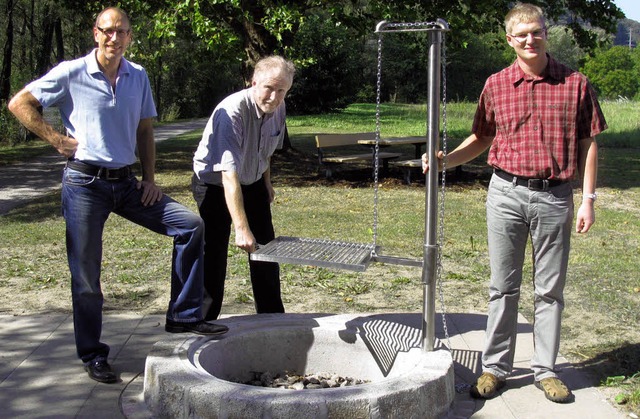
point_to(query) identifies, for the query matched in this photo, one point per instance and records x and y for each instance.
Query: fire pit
(199, 377)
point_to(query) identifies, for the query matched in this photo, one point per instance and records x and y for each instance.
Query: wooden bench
(408, 166)
(329, 158)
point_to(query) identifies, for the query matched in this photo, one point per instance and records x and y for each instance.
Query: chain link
(376, 165)
(439, 267)
(429, 25)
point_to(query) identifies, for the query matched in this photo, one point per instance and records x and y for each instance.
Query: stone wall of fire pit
(200, 377)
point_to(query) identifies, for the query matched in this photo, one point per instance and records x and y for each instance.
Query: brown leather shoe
(487, 386)
(555, 390)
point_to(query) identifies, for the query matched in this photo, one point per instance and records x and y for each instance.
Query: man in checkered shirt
(539, 120)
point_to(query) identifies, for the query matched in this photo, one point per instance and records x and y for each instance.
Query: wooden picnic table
(418, 142)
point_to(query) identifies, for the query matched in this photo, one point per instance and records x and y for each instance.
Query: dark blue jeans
(87, 202)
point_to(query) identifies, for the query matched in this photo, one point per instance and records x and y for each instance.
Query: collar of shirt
(552, 71)
(94, 68)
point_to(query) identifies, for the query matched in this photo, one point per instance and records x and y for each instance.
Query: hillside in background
(628, 32)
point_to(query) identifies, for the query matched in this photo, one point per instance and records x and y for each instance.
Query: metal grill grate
(316, 252)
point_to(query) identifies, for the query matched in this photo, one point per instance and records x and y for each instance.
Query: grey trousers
(515, 213)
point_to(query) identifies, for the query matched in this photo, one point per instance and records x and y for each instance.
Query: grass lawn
(601, 328)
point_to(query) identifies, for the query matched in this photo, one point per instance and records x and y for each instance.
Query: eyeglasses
(108, 32)
(521, 37)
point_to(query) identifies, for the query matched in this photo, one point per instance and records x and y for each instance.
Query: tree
(7, 54)
(562, 46)
(180, 40)
(613, 73)
(329, 71)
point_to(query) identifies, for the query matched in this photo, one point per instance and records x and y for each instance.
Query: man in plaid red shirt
(539, 120)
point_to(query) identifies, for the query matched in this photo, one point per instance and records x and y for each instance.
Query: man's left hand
(585, 217)
(151, 193)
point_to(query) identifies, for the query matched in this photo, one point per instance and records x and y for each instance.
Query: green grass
(603, 287)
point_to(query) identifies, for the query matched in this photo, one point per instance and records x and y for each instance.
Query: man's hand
(151, 193)
(586, 216)
(66, 146)
(270, 191)
(425, 162)
(245, 240)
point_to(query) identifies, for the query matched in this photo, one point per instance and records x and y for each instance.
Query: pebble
(293, 381)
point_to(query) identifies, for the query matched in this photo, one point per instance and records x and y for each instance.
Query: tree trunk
(46, 43)
(59, 40)
(7, 56)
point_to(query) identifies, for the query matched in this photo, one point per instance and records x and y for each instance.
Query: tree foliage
(614, 72)
(197, 51)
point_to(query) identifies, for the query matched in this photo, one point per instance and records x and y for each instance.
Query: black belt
(101, 172)
(533, 184)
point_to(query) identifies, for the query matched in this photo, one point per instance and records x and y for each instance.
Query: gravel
(294, 381)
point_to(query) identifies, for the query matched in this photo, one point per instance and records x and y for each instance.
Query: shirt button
(535, 128)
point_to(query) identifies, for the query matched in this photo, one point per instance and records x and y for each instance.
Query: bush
(613, 73)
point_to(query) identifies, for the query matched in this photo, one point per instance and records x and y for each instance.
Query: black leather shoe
(100, 370)
(201, 328)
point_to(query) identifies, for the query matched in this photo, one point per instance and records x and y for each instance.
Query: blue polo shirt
(103, 120)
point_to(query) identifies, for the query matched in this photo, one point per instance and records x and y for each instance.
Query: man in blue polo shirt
(107, 109)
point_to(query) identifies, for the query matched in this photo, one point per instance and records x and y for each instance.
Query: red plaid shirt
(537, 123)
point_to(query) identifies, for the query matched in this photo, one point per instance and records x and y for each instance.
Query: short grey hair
(275, 62)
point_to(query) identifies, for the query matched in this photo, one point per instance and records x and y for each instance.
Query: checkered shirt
(537, 122)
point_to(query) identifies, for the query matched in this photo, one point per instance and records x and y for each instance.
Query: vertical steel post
(430, 256)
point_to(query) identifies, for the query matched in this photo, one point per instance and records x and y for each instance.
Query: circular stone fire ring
(199, 377)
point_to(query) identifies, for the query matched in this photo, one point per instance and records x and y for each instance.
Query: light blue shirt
(103, 120)
(239, 139)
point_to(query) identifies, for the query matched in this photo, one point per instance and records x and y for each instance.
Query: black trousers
(265, 276)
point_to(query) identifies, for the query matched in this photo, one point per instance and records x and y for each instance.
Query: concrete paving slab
(20, 336)
(520, 398)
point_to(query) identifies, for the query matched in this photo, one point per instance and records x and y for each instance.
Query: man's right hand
(66, 145)
(25, 107)
(245, 240)
(425, 162)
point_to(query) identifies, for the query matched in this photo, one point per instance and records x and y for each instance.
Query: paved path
(40, 376)
(21, 183)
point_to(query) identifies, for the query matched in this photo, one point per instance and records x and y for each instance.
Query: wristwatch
(593, 196)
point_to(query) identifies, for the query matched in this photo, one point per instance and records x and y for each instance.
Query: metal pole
(429, 267)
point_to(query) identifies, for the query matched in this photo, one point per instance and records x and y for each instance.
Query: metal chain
(412, 25)
(376, 165)
(440, 240)
(439, 268)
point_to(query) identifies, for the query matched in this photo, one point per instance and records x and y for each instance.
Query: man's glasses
(109, 32)
(521, 37)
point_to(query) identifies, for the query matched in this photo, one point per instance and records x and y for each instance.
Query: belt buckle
(113, 174)
(538, 184)
(109, 174)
